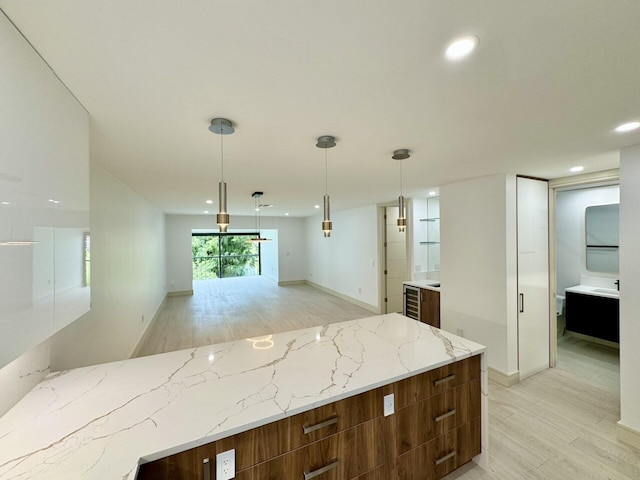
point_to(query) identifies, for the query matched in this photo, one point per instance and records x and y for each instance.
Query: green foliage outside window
(218, 256)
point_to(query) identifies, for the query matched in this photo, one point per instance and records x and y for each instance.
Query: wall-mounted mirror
(602, 223)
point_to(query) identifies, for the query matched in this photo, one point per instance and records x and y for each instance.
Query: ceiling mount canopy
(326, 142)
(401, 154)
(222, 127)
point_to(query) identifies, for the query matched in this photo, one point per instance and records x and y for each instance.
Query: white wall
(127, 275)
(269, 255)
(629, 288)
(290, 244)
(478, 265)
(346, 262)
(571, 255)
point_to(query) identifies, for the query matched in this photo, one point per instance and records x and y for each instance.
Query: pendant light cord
(400, 177)
(326, 173)
(222, 156)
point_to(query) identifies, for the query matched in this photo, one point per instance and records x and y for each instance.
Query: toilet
(559, 304)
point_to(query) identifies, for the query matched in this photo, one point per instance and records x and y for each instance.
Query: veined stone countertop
(596, 291)
(99, 422)
(428, 284)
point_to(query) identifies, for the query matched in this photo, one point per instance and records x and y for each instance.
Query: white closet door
(533, 276)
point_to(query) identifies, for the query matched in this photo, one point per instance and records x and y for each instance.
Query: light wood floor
(559, 424)
(235, 308)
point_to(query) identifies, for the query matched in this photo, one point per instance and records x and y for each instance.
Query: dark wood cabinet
(593, 315)
(430, 307)
(434, 430)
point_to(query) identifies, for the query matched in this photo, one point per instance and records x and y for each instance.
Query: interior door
(395, 261)
(533, 276)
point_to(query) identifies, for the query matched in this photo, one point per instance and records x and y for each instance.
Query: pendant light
(401, 154)
(222, 127)
(258, 238)
(326, 142)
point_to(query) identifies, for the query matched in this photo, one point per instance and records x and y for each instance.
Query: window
(218, 255)
(86, 277)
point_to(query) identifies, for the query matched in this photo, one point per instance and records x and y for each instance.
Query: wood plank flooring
(234, 308)
(558, 424)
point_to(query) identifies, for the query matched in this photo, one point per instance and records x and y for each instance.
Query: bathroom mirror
(602, 224)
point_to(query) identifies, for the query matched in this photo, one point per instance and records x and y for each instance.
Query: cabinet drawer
(436, 381)
(425, 420)
(441, 456)
(343, 456)
(266, 442)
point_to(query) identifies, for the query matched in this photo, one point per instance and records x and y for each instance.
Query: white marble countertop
(596, 291)
(428, 284)
(98, 422)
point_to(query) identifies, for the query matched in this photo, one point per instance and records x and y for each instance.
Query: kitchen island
(104, 421)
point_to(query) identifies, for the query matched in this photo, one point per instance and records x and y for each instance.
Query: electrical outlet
(389, 408)
(226, 465)
(460, 332)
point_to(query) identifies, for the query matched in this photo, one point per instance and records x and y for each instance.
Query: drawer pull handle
(327, 423)
(439, 418)
(444, 380)
(320, 471)
(445, 458)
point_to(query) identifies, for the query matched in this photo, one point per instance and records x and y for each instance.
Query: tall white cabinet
(533, 276)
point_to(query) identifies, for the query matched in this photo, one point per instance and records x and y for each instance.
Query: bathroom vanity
(593, 311)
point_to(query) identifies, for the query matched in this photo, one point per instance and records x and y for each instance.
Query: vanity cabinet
(593, 315)
(434, 430)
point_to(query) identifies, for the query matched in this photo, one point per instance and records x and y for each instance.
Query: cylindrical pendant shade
(222, 219)
(326, 223)
(402, 222)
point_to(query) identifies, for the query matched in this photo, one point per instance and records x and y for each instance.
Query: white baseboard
(506, 380)
(180, 293)
(284, 283)
(628, 435)
(147, 330)
(347, 298)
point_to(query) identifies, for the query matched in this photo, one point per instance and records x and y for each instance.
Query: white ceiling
(548, 83)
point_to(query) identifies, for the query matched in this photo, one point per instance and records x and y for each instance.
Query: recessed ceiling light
(431, 194)
(627, 127)
(576, 169)
(316, 206)
(286, 214)
(209, 202)
(206, 211)
(6, 203)
(461, 47)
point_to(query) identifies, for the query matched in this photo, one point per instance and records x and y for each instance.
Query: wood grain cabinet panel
(442, 455)
(422, 421)
(352, 453)
(430, 307)
(428, 384)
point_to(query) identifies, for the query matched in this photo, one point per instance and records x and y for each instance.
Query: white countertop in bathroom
(596, 291)
(98, 422)
(428, 284)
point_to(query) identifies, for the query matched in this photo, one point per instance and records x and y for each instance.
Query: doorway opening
(585, 325)
(218, 255)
